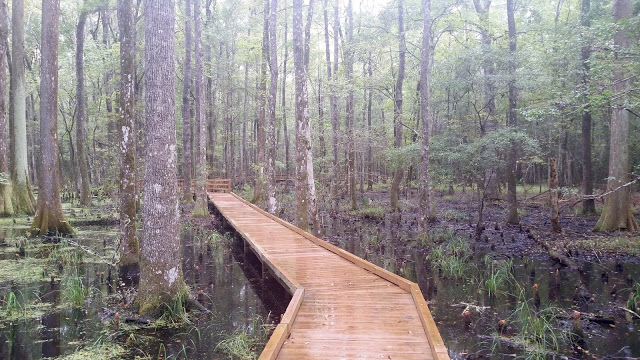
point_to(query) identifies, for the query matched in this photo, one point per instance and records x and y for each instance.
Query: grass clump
(371, 212)
(246, 342)
(74, 292)
(452, 256)
(619, 244)
(498, 275)
(453, 215)
(175, 311)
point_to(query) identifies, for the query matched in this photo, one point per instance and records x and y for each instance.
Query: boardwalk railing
(213, 185)
(246, 229)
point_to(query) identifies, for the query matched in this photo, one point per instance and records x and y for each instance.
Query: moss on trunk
(50, 222)
(6, 201)
(22, 198)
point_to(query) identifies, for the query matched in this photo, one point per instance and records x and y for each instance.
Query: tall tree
(271, 121)
(512, 117)
(287, 143)
(333, 100)
(311, 182)
(616, 213)
(397, 106)
(187, 123)
(202, 207)
(129, 245)
(589, 204)
(351, 151)
(49, 218)
(260, 187)
(81, 113)
(6, 205)
(161, 277)
(302, 120)
(425, 66)
(22, 195)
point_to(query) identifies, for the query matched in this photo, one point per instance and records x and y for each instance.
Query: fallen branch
(88, 251)
(630, 311)
(467, 306)
(597, 197)
(516, 345)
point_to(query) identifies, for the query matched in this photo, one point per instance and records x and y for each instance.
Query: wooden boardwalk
(343, 307)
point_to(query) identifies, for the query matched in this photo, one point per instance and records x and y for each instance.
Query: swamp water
(535, 296)
(71, 317)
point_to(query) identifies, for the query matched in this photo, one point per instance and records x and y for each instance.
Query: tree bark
(287, 142)
(588, 205)
(616, 213)
(271, 121)
(187, 122)
(49, 218)
(425, 66)
(369, 147)
(260, 187)
(302, 120)
(553, 196)
(23, 200)
(351, 153)
(202, 206)
(397, 107)
(512, 120)
(129, 245)
(161, 277)
(81, 115)
(311, 183)
(6, 205)
(333, 100)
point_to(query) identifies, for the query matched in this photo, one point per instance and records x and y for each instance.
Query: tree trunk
(6, 205)
(187, 123)
(588, 205)
(397, 107)
(490, 182)
(333, 99)
(616, 213)
(81, 118)
(351, 153)
(311, 183)
(369, 147)
(271, 121)
(160, 266)
(287, 156)
(553, 196)
(129, 245)
(260, 187)
(49, 218)
(425, 64)
(512, 120)
(22, 194)
(202, 204)
(302, 120)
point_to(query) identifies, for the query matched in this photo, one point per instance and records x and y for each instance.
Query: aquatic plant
(12, 304)
(451, 257)
(634, 298)
(175, 311)
(499, 274)
(74, 291)
(245, 342)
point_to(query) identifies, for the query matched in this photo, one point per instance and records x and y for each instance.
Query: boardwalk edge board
(283, 330)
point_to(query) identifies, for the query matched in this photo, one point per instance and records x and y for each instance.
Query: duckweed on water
(22, 271)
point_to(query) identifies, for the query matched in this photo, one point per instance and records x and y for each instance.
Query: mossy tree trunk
(260, 186)
(6, 205)
(553, 196)
(202, 207)
(22, 195)
(616, 213)
(129, 245)
(161, 278)
(49, 218)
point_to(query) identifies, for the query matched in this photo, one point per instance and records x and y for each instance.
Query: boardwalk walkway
(343, 307)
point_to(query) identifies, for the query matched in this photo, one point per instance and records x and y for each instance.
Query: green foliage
(499, 274)
(74, 291)
(452, 256)
(175, 311)
(633, 302)
(245, 342)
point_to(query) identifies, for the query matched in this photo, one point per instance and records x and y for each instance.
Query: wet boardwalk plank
(343, 307)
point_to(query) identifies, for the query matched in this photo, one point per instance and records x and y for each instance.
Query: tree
(6, 205)
(49, 218)
(351, 152)
(588, 204)
(129, 246)
(397, 106)
(616, 213)
(311, 182)
(512, 118)
(302, 120)
(161, 277)
(81, 117)
(425, 64)
(22, 195)
(259, 188)
(187, 123)
(271, 120)
(202, 206)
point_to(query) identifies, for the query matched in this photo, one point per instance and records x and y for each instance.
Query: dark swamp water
(48, 326)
